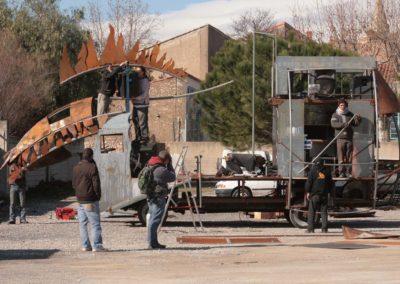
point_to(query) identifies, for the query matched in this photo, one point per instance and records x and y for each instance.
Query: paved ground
(47, 251)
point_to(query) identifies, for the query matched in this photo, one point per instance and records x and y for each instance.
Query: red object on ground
(65, 213)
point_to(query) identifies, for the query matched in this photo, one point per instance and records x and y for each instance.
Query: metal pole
(377, 141)
(289, 192)
(253, 96)
(127, 95)
(201, 191)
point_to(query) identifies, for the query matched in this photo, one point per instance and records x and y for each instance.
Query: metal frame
(376, 116)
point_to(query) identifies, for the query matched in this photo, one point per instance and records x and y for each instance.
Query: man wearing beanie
(163, 173)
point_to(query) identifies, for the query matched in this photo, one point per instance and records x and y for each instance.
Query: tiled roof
(388, 72)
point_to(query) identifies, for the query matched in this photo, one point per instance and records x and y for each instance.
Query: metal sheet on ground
(342, 245)
(226, 239)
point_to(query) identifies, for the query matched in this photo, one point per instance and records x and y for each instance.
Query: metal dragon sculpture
(77, 120)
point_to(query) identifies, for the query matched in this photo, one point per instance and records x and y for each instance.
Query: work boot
(157, 246)
(11, 222)
(100, 249)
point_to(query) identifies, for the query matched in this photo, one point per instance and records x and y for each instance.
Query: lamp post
(274, 54)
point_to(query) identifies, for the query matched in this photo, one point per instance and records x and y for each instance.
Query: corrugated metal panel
(118, 188)
(363, 139)
(283, 136)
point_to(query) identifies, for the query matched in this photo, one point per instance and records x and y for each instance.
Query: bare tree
(336, 22)
(96, 25)
(131, 18)
(24, 85)
(251, 20)
(353, 25)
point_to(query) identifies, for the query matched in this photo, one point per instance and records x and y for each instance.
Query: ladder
(187, 191)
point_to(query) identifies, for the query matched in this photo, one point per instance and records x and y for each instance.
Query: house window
(113, 143)
(393, 132)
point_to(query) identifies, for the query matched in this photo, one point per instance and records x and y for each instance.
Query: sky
(184, 15)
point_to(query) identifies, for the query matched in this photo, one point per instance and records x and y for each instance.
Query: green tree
(226, 112)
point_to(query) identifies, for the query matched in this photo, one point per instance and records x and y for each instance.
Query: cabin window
(111, 143)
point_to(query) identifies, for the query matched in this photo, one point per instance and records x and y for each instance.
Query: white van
(229, 188)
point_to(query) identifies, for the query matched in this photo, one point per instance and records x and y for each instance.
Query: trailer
(305, 93)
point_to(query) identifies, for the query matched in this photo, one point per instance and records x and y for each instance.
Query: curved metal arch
(183, 79)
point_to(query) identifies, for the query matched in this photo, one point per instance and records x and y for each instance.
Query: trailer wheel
(299, 219)
(143, 209)
(246, 192)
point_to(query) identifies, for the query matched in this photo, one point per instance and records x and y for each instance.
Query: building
(178, 120)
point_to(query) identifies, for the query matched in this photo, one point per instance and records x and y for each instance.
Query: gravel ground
(47, 251)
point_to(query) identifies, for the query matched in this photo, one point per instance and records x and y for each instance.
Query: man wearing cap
(319, 184)
(163, 174)
(341, 120)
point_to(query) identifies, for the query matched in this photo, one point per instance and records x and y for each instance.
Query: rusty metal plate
(41, 128)
(226, 239)
(350, 233)
(114, 53)
(110, 49)
(154, 54)
(91, 60)
(66, 71)
(120, 54)
(81, 109)
(131, 57)
(81, 64)
(388, 102)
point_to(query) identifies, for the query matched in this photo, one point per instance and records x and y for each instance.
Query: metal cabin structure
(306, 92)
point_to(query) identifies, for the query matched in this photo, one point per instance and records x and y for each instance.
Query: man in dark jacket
(107, 87)
(341, 120)
(18, 188)
(319, 184)
(86, 183)
(163, 173)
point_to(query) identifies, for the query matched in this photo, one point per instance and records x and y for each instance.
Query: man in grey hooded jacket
(342, 119)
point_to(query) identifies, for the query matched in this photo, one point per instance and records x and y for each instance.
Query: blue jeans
(156, 210)
(90, 213)
(15, 191)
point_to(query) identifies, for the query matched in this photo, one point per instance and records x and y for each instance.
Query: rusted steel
(66, 70)
(131, 57)
(120, 54)
(388, 102)
(91, 60)
(81, 64)
(48, 135)
(226, 239)
(110, 49)
(350, 233)
(114, 53)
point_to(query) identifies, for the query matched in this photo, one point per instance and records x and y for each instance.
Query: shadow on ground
(13, 254)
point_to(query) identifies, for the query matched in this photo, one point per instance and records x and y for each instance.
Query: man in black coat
(86, 183)
(107, 87)
(319, 184)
